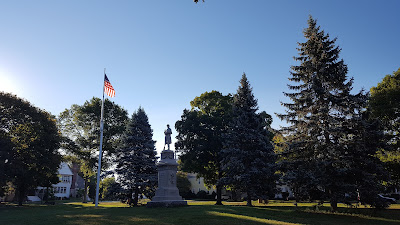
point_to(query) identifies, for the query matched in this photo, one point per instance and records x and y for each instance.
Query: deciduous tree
(30, 142)
(384, 104)
(200, 137)
(110, 189)
(183, 184)
(80, 126)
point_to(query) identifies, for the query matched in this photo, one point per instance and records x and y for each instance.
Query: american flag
(108, 88)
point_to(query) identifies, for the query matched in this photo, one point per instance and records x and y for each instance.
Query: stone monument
(167, 194)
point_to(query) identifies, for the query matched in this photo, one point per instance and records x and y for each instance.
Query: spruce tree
(249, 159)
(136, 159)
(327, 154)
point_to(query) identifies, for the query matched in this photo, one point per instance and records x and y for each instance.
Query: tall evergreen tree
(249, 158)
(136, 159)
(327, 132)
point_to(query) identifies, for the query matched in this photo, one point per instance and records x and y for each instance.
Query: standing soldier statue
(167, 133)
(167, 194)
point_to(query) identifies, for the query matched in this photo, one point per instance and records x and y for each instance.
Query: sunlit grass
(353, 215)
(394, 206)
(82, 216)
(196, 213)
(138, 219)
(191, 202)
(250, 218)
(101, 204)
(280, 203)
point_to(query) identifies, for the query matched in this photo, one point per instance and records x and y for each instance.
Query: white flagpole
(101, 146)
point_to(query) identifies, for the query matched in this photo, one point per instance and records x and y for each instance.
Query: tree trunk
(249, 199)
(219, 195)
(21, 195)
(333, 200)
(333, 204)
(136, 199)
(129, 201)
(85, 192)
(234, 195)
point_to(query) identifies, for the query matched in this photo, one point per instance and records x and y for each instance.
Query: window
(60, 190)
(66, 179)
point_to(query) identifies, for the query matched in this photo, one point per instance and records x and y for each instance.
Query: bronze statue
(167, 133)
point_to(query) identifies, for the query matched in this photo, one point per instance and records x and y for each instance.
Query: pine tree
(249, 159)
(136, 160)
(327, 130)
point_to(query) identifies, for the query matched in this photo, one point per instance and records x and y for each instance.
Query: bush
(188, 195)
(201, 195)
(204, 195)
(396, 196)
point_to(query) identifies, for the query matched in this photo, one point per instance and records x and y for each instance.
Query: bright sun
(8, 83)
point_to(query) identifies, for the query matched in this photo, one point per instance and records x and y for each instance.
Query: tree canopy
(29, 145)
(200, 138)
(80, 126)
(384, 105)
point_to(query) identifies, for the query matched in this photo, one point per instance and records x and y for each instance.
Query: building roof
(64, 169)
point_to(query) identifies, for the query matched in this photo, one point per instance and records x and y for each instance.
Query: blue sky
(162, 54)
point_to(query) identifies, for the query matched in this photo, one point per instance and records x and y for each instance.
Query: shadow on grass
(323, 215)
(194, 215)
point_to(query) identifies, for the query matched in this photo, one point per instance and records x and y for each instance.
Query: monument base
(172, 203)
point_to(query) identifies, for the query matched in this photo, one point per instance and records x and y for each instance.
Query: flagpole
(101, 146)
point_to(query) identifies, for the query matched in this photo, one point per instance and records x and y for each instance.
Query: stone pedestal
(167, 194)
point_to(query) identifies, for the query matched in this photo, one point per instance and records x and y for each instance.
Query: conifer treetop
(244, 97)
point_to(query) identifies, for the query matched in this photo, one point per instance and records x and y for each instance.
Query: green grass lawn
(198, 212)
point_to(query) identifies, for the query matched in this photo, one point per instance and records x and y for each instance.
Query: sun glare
(9, 84)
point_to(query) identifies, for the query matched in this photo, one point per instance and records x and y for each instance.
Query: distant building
(197, 184)
(69, 183)
(284, 192)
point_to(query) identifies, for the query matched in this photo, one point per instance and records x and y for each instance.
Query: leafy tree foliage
(249, 158)
(29, 145)
(200, 137)
(331, 142)
(183, 185)
(80, 126)
(5, 156)
(110, 189)
(136, 159)
(384, 105)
